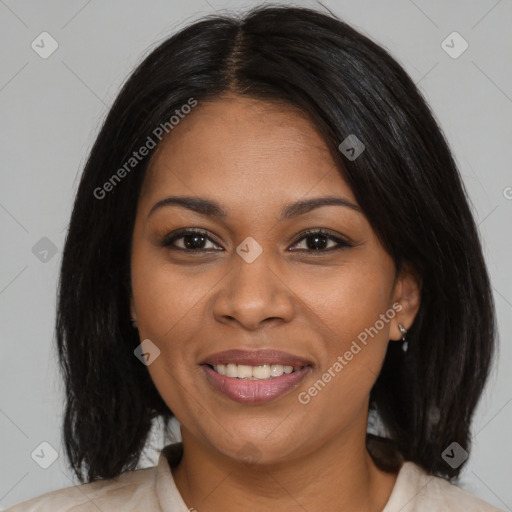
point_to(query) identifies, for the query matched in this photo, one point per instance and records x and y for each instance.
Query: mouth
(255, 376)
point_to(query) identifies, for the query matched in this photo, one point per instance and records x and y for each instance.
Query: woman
(270, 242)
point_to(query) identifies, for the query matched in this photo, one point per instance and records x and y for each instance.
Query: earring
(134, 320)
(403, 330)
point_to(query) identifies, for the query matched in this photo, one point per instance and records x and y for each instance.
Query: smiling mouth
(261, 372)
(255, 384)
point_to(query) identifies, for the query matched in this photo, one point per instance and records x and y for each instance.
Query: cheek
(353, 312)
(347, 300)
(349, 361)
(166, 315)
(168, 297)
(168, 303)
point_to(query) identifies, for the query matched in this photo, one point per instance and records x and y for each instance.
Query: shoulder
(417, 491)
(132, 490)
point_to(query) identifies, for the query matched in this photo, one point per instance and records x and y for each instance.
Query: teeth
(276, 370)
(244, 372)
(231, 370)
(265, 371)
(259, 372)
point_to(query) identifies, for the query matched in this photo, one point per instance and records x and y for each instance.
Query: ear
(407, 293)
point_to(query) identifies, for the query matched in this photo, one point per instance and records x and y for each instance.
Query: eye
(190, 240)
(319, 239)
(195, 240)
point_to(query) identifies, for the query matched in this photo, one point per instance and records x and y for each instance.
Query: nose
(254, 294)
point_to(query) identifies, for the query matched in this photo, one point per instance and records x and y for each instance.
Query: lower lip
(255, 391)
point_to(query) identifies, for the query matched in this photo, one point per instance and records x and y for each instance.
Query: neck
(338, 474)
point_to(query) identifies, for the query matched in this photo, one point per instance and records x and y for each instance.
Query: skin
(254, 157)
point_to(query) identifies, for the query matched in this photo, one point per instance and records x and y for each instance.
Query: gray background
(51, 110)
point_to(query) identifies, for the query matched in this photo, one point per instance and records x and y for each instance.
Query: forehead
(243, 149)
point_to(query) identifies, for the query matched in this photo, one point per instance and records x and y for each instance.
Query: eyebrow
(289, 211)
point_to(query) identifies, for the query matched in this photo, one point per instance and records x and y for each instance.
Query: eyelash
(169, 239)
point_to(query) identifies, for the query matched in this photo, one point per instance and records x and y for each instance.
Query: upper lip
(255, 358)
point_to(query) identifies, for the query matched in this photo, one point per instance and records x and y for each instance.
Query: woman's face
(255, 282)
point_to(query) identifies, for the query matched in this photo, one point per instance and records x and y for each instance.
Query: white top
(153, 489)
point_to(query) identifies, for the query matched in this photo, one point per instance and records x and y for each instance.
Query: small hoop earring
(403, 331)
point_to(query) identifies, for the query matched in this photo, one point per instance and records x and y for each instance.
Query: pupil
(319, 240)
(195, 238)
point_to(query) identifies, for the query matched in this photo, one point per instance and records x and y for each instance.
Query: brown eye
(318, 240)
(193, 240)
(189, 240)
